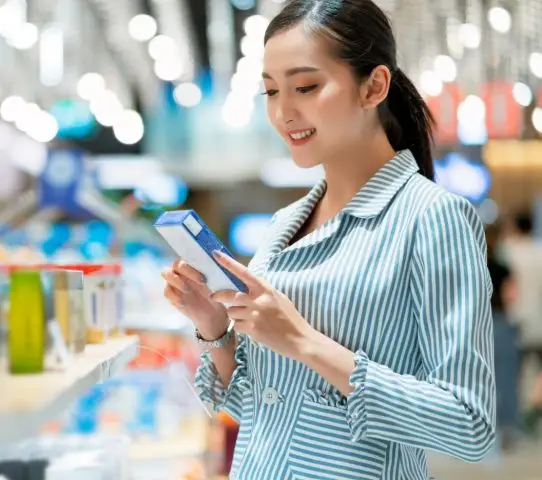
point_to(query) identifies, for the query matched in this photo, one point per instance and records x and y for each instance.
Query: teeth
(301, 135)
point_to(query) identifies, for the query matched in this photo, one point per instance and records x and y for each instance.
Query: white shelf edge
(19, 425)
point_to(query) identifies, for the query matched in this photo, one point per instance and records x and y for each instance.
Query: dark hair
(524, 223)
(361, 35)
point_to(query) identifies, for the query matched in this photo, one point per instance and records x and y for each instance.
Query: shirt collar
(378, 192)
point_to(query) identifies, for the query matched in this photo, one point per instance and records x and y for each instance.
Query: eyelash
(307, 89)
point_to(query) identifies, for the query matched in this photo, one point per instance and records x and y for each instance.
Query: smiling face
(314, 101)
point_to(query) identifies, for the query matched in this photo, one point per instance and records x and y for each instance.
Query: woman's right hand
(187, 291)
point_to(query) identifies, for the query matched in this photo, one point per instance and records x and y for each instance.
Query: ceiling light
(44, 128)
(106, 107)
(11, 108)
(445, 68)
(163, 47)
(90, 85)
(471, 109)
(187, 94)
(537, 119)
(251, 47)
(250, 67)
(237, 111)
(129, 128)
(12, 18)
(142, 27)
(535, 63)
(522, 94)
(26, 37)
(499, 18)
(244, 85)
(470, 35)
(26, 118)
(255, 26)
(168, 70)
(430, 83)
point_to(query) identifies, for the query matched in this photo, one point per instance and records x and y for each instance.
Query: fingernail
(217, 253)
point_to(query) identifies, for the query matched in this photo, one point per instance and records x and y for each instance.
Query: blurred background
(112, 112)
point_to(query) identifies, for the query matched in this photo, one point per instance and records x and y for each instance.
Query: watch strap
(220, 342)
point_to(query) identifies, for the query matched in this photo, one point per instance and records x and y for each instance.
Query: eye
(270, 93)
(307, 89)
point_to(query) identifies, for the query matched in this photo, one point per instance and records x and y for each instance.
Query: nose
(286, 112)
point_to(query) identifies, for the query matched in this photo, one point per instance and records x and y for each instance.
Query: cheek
(338, 110)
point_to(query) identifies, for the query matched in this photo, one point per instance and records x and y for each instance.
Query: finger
(182, 268)
(239, 270)
(232, 297)
(239, 314)
(180, 283)
(173, 296)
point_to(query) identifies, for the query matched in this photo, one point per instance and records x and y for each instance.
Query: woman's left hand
(266, 315)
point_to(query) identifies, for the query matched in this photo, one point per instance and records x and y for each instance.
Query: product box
(194, 242)
(103, 299)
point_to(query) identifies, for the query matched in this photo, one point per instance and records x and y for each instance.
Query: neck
(346, 175)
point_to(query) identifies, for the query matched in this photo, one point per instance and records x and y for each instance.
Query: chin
(305, 161)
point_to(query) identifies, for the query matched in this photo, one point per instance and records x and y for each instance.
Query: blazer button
(270, 396)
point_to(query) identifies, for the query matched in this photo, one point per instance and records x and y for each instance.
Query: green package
(26, 335)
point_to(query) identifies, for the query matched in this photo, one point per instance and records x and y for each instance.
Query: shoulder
(435, 205)
(445, 220)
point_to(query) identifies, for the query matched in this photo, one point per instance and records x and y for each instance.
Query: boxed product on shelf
(103, 298)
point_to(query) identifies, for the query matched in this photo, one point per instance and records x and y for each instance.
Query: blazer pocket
(322, 449)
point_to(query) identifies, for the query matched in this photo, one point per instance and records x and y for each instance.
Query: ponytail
(408, 122)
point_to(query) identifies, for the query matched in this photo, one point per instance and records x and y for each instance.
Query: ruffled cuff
(356, 411)
(209, 384)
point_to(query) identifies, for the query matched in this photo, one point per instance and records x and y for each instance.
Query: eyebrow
(293, 71)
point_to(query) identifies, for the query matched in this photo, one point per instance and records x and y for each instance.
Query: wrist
(214, 329)
(307, 346)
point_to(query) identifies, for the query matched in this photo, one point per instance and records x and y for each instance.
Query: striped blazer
(399, 277)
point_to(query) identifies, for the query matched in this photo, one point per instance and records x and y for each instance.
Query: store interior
(113, 112)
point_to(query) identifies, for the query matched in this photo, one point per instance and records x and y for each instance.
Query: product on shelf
(27, 338)
(103, 306)
(103, 299)
(69, 308)
(41, 304)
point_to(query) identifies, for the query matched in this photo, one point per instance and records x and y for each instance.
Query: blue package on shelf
(194, 242)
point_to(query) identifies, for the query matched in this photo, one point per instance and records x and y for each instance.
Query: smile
(302, 136)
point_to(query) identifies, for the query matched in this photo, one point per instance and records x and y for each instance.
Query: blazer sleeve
(451, 407)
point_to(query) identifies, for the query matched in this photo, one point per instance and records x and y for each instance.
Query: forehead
(293, 48)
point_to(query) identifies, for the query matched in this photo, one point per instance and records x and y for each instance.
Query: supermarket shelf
(193, 442)
(29, 401)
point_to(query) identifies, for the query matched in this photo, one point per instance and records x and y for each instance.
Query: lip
(303, 141)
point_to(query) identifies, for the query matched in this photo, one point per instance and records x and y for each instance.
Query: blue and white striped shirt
(399, 277)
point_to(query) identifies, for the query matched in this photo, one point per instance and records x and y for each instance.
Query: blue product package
(194, 242)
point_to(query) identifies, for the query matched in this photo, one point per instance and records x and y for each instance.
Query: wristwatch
(220, 342)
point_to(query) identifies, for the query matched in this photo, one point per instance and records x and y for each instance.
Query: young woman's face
(313, 99)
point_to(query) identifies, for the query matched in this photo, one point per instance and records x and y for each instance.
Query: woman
(365, 338)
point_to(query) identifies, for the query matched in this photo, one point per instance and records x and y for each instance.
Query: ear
(374, 90)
